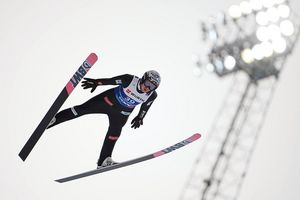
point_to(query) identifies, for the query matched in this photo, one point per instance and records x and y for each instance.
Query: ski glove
(90, 83)
(136, 122)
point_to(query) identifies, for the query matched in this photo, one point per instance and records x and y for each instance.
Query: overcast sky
(42, 45)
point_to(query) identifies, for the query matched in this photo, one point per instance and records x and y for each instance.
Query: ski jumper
(117, 103)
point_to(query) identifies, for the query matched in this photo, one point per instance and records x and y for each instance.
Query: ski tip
(22, 156)
(92, 58)
(196, 136)
(23, 159)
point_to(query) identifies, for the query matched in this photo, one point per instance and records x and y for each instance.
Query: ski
(76, 78)
(134, 161)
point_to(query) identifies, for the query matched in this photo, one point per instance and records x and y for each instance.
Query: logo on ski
(81, 72)
(176, 146)
(172, 148)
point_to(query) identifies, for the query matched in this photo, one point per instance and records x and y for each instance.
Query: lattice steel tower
(251, 44)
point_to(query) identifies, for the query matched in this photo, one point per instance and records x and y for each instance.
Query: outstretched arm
(138, 120)
(117, 80)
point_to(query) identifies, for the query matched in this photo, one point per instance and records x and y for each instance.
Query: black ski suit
(109, 103)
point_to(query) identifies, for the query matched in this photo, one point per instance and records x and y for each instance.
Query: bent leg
(65, 115)
(94, 105)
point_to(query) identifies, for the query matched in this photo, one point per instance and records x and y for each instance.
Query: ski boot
(107, 162)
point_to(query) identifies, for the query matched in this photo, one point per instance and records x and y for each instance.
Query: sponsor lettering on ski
(80, 73)
(176, 146)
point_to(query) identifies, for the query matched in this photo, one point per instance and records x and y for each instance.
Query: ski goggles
(150, 85)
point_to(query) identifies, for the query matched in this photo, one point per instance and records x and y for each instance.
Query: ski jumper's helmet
(151, 79)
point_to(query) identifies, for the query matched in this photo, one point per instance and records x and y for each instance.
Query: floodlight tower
(250, 43)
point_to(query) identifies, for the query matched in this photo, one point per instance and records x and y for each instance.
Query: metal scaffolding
(221, 166)
(219, 171)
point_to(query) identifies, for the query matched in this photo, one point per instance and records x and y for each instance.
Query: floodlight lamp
(279, 45)
(273, 14)
(256, 5)
(274, 32)
(247, 56)
(245, 7)
(284, 11)
(229, 62)
(262, 33)
(234, 11)
(287, 28)
(267, 49)
(258, 53)
(279, 1)
(268, 3)
(262, 18)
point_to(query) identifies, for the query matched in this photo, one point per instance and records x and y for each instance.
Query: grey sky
(44, 42)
